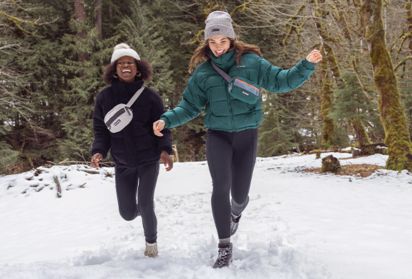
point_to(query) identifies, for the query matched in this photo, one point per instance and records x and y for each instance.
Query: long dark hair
(202, 52)
(144, 69)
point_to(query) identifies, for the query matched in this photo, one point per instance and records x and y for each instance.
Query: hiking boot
(151, 250)
(224, 257)
(234, 224)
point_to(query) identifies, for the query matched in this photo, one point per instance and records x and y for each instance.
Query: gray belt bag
(121, 115)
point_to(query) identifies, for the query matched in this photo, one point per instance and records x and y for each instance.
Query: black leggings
(231, 158)
(141, 182)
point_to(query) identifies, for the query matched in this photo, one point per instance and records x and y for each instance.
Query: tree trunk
(80, 16)
(79, 11)
(327, 65)
(98, 22)
(326, 93)
(408, 8)
(392, 115)
(360, 132)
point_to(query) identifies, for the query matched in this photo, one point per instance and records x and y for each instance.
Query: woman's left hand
(314, 56)
(167, 160)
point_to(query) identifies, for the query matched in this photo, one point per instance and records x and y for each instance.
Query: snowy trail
(186, 240)
(297, 225)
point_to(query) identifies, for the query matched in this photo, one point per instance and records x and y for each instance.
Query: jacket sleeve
(165, 142)
(275, 79)
(192, 103)
(101, 142)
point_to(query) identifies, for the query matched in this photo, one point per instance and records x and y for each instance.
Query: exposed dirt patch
(361, 170)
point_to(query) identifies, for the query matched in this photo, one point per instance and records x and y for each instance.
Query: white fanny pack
(121, 115)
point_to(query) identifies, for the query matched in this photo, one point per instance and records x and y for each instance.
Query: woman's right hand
(95, 161)
(158, 126)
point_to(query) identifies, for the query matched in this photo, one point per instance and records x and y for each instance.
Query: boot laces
(223, 255)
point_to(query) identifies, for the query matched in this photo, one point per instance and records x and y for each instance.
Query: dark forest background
(52, 53)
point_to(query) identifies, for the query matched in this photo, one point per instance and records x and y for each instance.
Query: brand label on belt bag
(121, 115)
(240, 88)
(244, 90)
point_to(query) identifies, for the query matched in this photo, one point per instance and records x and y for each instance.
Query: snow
(297, 225)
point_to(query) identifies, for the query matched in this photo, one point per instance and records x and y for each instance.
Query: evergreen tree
(83, 80)
(179, 24)
(353, 108)
(140, 30)
(23, 118)
(275, 135)
(51, 66)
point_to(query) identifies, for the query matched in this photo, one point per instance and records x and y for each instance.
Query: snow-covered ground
(297, 225)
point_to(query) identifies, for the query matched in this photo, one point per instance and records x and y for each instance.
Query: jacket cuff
(104, 154)
(167, 148)
(167, 122)
(308, 65)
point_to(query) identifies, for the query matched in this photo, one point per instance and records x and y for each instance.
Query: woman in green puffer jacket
(232, 123)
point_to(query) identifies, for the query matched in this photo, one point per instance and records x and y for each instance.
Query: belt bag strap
(221, 72)
(135, 96)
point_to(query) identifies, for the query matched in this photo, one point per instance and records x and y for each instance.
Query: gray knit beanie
(219, 23)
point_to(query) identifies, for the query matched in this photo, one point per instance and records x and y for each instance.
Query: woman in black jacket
(135, 149)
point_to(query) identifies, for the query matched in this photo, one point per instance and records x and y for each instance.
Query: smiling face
(126, 68)
(219, 44)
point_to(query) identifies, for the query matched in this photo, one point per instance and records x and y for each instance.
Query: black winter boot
(224, 257)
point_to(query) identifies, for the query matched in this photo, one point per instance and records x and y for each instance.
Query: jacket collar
(127, 87)
(225, 61)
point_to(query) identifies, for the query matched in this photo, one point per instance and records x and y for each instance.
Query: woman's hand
(158, 126)
(167, 161)
(314, 56)
(95, 161)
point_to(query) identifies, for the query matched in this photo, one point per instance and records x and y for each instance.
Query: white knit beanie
(219, 23)
(121, 50)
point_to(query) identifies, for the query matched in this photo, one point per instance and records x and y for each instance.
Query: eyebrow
(218, 40)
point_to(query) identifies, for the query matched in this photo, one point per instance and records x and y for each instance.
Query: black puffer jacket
(135, 144)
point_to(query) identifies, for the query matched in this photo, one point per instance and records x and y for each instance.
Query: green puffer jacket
(207, 90)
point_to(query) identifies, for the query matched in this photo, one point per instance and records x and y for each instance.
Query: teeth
(126, 71)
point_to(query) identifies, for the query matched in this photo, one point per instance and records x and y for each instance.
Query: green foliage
(83, 80)
(141, 32)
(350, 101)
(354, 109)
(22, 105)
(288, 124)
(275, 136)
(8, 156)
(51, 70)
